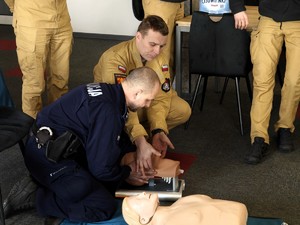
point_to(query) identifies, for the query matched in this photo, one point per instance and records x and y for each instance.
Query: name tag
(214, 6)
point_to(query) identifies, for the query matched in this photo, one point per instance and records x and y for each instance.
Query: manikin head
(151, 37)
(140, 209)
(140, 88)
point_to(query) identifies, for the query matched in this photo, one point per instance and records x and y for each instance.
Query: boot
(285, 140)
(258, 151)
(21, 197)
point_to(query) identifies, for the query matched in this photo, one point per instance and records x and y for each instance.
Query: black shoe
(258, 151)
(285, 140)
(21, 197)
(51, 220)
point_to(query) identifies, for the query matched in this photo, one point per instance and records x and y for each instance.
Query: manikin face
(142, 99)
(145, 204)
(151, 44)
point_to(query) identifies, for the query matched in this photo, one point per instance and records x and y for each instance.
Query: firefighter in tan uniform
(168, 110)
(44, 39)
(170, 11)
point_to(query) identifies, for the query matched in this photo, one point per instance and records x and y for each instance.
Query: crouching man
(74, 151)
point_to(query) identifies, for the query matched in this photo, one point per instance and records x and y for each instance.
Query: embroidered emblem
(119, 78)
(165, 68)
(166, 86)
(122, 69)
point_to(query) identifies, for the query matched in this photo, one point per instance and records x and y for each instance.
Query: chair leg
(237, 87)
(224, 89)
(190, 83)
(2, 220)
(203, 92)
(22, 145)
(194, 99)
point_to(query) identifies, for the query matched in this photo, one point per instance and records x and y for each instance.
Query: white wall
(112, 17)
(5, 19)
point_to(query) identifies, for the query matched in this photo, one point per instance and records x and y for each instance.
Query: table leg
(178, 70)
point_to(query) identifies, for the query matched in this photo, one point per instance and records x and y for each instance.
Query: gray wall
(4, 10)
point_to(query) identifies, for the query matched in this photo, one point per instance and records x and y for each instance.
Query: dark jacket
(97, 114)
(280, 10)
(237, 6)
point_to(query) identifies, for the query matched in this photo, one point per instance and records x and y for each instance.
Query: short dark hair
(154, 23)
(144, 76)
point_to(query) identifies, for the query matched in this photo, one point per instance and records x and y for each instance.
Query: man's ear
(138, 35)
(138, 93)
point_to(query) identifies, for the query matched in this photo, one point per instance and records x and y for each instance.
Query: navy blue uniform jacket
(96, 113)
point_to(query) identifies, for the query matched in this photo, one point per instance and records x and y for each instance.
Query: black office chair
(218, 49)
(14, 126)
(251, 2)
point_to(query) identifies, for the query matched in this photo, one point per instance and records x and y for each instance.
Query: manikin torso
(190, 210)
(200, 210)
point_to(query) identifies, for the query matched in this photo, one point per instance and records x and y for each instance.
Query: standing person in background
(279, 23)
(44, 38)
(170, 11)
(236, 7)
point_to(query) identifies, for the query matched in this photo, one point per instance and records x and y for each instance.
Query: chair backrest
(14, 124)
(252, 2)
(217, 48)
(5, 98)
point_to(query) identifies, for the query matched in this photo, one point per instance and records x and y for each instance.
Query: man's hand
(144, 153)
(161, 142)
(137, 178)
(241, 20)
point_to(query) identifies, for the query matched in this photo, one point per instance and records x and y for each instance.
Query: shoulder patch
(122, 68)
(166, 86)
(94, 89)
(119, 77)
(165, 68)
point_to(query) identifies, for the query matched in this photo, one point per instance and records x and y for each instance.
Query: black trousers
(67, 189)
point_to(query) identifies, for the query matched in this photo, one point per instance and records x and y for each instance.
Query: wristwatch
(156, 131)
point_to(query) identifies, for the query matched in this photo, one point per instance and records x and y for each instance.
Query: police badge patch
(119, 78)
(166, 86)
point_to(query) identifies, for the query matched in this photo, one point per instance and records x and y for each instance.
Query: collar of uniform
(144, 61)
(123, 106)
(135, 54)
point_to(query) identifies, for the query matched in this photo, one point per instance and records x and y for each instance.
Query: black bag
(138, 10)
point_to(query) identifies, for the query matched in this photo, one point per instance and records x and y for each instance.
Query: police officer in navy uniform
(81, 187)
